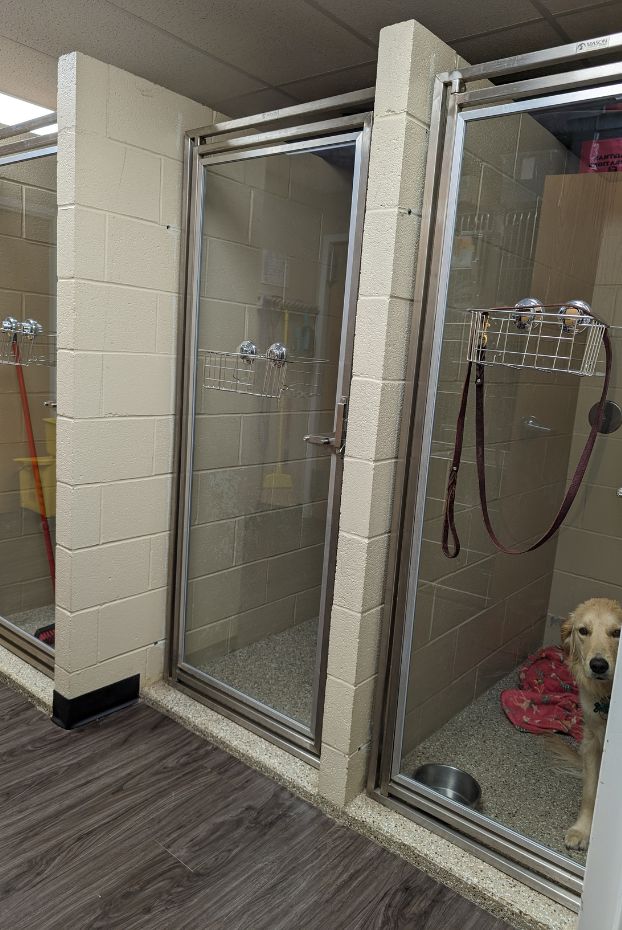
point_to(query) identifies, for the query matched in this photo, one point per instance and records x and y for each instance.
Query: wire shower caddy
(24, 342)
(268, 374)
(554, 337)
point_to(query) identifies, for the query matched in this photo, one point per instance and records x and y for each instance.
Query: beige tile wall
(590, 544)
(119, 182)
(409, 57)
(273, 270)
(28, 279)
(479, 616)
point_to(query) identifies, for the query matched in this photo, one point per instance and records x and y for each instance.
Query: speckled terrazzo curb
(482, 883)
(29, 681)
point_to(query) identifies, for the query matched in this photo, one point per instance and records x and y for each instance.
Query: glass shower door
(270, 393)
(28, 405)
(534, 212)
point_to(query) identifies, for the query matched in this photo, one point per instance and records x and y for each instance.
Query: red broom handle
(45, 526)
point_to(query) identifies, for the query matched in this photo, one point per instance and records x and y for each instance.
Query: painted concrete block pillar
(409, 58)
(119, 195)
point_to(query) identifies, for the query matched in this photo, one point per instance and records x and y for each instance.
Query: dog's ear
(568, 638)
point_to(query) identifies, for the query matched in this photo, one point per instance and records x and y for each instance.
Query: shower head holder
(526, 317)
(575, 316)
(32, 328)
(248, 351)
(23, 342)
(277, 353)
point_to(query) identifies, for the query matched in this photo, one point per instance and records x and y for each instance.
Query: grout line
(161, 192)
(552, 20)
(343, 24)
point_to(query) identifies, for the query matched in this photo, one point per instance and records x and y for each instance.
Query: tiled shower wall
(589, 552)
(273, 270)
(28, 290)
(480, 615)
(119, 194)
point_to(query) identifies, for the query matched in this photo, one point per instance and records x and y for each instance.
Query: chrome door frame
(535, 865)
(226, 142)
(36, 653)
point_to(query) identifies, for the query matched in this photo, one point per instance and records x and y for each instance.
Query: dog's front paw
(577, 837)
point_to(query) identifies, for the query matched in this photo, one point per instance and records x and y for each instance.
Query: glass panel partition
(487, 668)
(28, 396)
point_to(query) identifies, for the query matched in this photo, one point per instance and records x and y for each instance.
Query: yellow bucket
(27, 490)
(49, 425)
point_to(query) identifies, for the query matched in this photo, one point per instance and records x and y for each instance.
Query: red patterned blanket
(547, 699)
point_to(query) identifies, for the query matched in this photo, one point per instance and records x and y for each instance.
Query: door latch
(337, 440)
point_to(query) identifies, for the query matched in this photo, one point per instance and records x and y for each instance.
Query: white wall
(119, 194)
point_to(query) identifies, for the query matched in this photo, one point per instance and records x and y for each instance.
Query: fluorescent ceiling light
(14, 111)
(45, 130)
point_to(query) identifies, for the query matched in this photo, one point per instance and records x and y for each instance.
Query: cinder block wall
(119, 195)
(27, 290)
(409, 58)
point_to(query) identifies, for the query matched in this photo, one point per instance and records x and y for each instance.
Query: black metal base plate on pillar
(69, 713)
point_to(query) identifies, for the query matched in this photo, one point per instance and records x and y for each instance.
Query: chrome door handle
(335, 440)
(315, 440)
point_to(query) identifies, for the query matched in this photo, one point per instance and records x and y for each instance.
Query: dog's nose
(599, 665)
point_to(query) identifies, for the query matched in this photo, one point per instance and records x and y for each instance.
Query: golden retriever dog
(590, 636)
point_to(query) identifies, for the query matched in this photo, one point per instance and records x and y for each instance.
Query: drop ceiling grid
(244, 56)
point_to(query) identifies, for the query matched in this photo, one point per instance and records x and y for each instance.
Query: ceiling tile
(27, 73)
(563, 6)
(271, 98)
(334, 82)
(102, 30)
(586, 24)
(275, 40)
(503, 44)
(447, 18)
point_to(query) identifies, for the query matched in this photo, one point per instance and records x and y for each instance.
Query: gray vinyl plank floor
(134, 822)
(521, 788)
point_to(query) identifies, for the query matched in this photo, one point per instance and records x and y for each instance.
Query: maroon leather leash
(449, 524)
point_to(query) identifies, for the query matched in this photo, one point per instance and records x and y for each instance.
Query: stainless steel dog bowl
(453, 783)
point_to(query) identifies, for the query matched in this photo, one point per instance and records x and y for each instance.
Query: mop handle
(36, 474)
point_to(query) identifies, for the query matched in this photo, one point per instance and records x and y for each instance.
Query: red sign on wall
(601, 155)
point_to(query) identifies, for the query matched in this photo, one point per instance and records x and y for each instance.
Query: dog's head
(591, 636)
